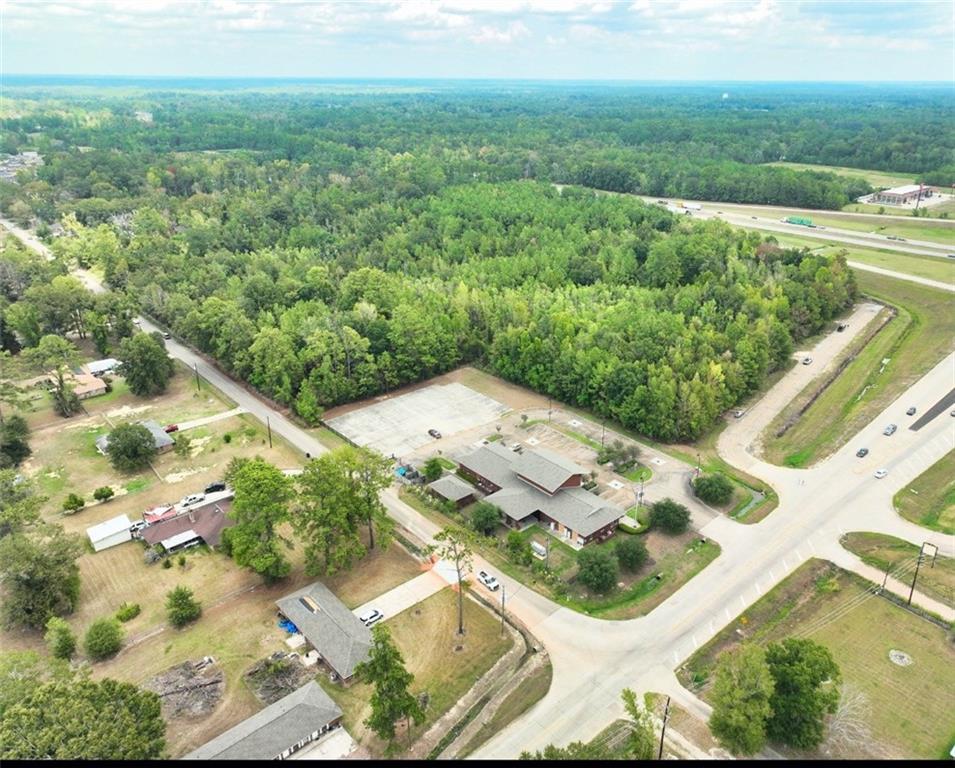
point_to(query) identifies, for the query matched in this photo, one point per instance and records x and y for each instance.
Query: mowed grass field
(921, 335)
(907, 710)
(445, 665)
(936, 576)
(929, 499)
(931, 267)
(875, 178)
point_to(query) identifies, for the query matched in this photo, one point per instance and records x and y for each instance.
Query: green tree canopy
(60, 638)
(58, 355)
(146, 364)
(130, 447)
(19, 503)
(83, 720)
(485, 518)
(103, 639)
(432, 469)
(14, 447)
(631, 552)
(262, 496)
(597, 569)
(392, 699)
(806, 689)
(714, 489)
(182, 607)
(669, 516)
(741, 699)
(38, 574)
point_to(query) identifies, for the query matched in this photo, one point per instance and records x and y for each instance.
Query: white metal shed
(110, 533)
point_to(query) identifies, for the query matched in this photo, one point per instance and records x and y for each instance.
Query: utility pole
(603, 431)
(666, 716)
(195, 367)
(549, 408)
(918, 563)
(268, 426)
(503, 589)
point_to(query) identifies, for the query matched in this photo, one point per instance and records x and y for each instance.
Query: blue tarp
(400, 471)
(288, 626)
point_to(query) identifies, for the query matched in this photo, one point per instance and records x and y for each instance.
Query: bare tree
(456, 545)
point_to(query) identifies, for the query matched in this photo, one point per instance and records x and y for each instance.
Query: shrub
(182, 561)
(182, 607)
(167, 563)
(103, 639)
(518, 549)
(598, 570)
(432, 469)
(485, 517)
(227, 438)
(73, 503)
(127, 611)
(631, 552)
(669, 516)
(714, 489)
(104, 494)
(60, 638)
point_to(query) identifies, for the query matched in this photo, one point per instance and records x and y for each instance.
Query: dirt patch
(190, 689)
(127, 411)
(197, 443)
(175, 477)
(901, 658)
(277, 676)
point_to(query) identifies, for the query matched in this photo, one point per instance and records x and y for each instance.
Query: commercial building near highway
(902, 195)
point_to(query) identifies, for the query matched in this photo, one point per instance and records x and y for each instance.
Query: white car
(192, 498)
(371, 616)
(488, 581)
(806, 360)
(880, 473)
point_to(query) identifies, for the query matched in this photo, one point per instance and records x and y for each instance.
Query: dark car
(862, 452)
(215, 487)
(170, 428)
(910, 411)
(434, 433)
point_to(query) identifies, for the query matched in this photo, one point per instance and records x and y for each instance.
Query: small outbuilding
(101, 367)
(110, 533)
(451, 488)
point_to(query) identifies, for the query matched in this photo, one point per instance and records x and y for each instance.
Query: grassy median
(929, 499)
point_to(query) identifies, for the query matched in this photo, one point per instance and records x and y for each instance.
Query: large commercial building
(541, 486)
(901, 195)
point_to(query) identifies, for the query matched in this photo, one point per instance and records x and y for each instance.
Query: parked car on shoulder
(862, 452)
(910, 411)
(170, 428)
(890, 430)
(488, 581)
(371, 617)
(880, 473)
(435, 434)
(215, 487)
(738, 413)
(806, 360)
(192, 498)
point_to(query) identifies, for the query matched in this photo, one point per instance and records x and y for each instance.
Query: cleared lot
(400, 425)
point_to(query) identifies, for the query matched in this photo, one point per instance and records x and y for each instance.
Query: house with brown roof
(199, 524)
(540, 486)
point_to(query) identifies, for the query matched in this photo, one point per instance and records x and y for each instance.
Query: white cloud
(501, 35)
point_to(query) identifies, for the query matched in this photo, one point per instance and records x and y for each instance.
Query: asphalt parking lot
(397, 426)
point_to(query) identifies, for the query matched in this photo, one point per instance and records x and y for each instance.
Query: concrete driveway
(413, 591)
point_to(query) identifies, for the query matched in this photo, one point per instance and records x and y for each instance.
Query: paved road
(593, 659)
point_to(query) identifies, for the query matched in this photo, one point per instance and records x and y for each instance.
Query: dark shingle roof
(334, 631)
(545, 468)
(451, 488)
(267, 734)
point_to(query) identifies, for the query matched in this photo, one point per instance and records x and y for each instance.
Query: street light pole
(666, 716)
(268, 426)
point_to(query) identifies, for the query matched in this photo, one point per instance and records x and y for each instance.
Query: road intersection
(593, 660)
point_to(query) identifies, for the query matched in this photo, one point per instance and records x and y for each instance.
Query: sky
(720, 40)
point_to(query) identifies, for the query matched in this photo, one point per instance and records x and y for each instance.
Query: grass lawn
(931, 267)
(875, 178)
(638, 473)
(379, 571)
(518, 701)
(909, 709)
(886, 552)
(426, 635)
(914, 341)
(929, 499)
(328, 438)
(676, 558)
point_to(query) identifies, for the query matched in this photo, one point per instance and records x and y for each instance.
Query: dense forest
(326, 247)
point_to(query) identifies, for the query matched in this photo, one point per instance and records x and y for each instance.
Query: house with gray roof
(451, 488)
(278, 731)
(161, 440)
(541, 486)
(335, 633)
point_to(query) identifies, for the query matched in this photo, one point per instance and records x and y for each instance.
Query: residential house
(332, 630)
(162, 441)
(278, 731)
(200, 524)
